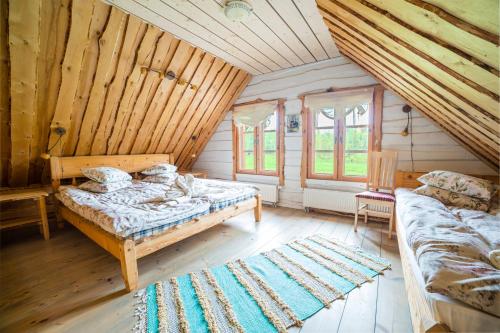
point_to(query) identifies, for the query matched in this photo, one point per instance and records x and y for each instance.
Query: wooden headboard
(409, 179)
(70, 167)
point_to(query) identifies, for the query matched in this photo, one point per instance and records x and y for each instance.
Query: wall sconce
(59, 131)
(407, 110)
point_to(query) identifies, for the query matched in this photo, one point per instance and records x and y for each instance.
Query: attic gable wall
(444, 61)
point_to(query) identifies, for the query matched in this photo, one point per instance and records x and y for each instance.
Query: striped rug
(269, 292)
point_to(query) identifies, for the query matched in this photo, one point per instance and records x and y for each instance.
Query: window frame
(259, 147)
(340, 129)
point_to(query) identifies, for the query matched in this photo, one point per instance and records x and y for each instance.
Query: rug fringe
(140, 311)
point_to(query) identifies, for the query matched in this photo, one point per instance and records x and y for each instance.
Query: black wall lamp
(60, 131)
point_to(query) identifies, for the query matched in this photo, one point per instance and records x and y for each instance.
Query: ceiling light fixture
(237, 10)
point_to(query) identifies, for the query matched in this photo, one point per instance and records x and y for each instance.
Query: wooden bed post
(258, 208)
(128, 262)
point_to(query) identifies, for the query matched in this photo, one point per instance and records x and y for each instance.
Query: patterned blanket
(451, 246)
(145, 206)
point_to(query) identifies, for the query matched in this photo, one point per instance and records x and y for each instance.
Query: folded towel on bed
(495, 258)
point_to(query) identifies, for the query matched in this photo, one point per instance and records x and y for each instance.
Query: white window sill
(336, 185)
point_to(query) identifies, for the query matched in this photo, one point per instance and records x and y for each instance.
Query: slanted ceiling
(440, 56)
(78, 64)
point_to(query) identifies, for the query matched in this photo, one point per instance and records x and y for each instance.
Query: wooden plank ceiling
(80, 68)
(440, 56)
(278, 34)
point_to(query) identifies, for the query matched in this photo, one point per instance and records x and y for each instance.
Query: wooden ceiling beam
(189, 134)
(165, 50)
(133, 87)
(24, 17)
(418, 103)
(449, 31)
(457, 105)
(175, 98)
(110, 44)
(184, 63)
(179, 133)
(237, 87)
(85, 77)
(428, 47)
(342, 30)
(487, 101)
(195, 137)
(479, 17)
(134, 34)
(176, 112)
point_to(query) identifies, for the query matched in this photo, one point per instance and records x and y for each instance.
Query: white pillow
(106, 174)
(163, 178)
(93, 186)
(163, 168)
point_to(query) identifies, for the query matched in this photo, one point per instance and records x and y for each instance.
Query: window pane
(325, 118)
(356, 138)
(323, 162)
(357, 115)
(269, 162)
(323, 139)
(248, 160)
(270, 122)
(248, 141)
(355, 164)
(270, 140)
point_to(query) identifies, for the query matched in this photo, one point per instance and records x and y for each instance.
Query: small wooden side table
(197, 174)
(36, 194)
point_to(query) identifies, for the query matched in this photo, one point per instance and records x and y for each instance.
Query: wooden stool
(36, 194)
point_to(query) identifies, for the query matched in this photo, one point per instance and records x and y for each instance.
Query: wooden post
(128, 262)
(258, 208)
(43, 218)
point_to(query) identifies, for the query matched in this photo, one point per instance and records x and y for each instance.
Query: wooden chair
(381, 176)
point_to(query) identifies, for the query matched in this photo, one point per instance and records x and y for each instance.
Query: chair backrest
(382, 171)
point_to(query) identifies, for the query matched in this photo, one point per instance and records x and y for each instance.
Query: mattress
(145, 209)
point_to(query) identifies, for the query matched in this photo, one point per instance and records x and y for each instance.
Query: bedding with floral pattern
(459, 183)
(451, 247)
(452, 199)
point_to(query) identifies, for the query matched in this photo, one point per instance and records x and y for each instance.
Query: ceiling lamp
(237, 10)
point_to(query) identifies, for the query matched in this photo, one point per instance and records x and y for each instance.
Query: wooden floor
(70, 284)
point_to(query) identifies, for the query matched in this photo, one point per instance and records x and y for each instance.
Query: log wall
(79, 65)
(433, 148)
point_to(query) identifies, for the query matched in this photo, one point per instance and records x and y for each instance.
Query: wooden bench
(36, 194)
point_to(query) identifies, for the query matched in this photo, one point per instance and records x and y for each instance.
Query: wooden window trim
(374, 138)
(258, 146)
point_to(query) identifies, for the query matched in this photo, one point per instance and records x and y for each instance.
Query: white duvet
(147, 205)
(452, 246)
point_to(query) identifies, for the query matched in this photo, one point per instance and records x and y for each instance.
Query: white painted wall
(433, 149)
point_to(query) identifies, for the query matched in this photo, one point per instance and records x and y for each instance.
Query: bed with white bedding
(444, 252)
(143, 218)
(145, 209)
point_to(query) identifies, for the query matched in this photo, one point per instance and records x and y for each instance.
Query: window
(340, 134)
(257, 148)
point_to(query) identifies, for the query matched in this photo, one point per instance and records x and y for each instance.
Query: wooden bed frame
(421, 313)
(128, 251)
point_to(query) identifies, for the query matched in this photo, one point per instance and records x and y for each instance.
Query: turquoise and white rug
(269, 292)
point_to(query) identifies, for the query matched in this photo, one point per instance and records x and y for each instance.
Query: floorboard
(70, 284)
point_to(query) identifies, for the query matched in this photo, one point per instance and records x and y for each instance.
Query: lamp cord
(55, 143)
(410, 121)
